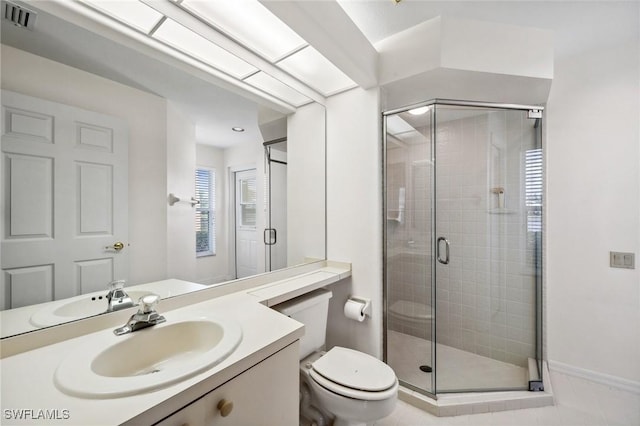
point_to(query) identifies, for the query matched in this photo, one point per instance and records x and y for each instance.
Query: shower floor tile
(457, 369)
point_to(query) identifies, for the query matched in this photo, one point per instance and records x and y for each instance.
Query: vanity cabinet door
(266, 394)
(191, 415)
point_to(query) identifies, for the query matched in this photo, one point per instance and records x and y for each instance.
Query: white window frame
(211, 211)
(242, 202)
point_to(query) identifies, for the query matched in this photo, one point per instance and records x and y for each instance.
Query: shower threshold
(459, 369)
(458, 404)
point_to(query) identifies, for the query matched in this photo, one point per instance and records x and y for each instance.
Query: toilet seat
(354, 375)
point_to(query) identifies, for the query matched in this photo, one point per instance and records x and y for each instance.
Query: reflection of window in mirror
(248, 202)
(205, 212)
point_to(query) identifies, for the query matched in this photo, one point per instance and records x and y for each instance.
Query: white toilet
(349, 386)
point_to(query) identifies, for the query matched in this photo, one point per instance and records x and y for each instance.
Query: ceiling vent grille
(19, 16)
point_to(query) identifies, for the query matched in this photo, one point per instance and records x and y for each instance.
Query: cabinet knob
(225, 407)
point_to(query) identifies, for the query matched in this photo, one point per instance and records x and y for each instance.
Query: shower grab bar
(444, 261)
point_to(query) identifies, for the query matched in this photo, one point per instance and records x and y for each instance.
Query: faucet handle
(116, 285)
(148, 303)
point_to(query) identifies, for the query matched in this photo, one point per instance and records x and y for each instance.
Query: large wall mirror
(122, 160)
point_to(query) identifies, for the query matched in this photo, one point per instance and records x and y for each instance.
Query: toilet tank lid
(355, 370)
(299, 303)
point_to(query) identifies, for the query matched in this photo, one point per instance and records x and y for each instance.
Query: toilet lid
(355, 370)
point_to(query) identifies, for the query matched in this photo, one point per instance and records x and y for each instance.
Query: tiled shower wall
(486, 294)
(409, 236)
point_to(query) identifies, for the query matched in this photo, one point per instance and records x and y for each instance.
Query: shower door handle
(444, 261)
(270, 236)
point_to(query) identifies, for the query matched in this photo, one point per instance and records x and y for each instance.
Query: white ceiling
(576, 24)
(212, 109)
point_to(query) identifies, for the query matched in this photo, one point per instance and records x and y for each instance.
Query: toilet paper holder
(363, 300)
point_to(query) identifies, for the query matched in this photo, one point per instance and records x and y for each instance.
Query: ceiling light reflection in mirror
(265, 82)
(134, 13)
(197, 46)
(240, 18)
(309, 66)
(228, 21)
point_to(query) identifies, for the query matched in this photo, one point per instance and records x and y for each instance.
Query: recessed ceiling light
(419, 111)
(237, 129)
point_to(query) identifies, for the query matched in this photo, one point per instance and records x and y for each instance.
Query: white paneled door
(64, 201)
(245, 226)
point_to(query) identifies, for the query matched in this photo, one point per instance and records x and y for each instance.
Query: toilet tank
(310, 309)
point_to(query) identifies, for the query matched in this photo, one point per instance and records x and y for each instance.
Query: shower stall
(463, 229)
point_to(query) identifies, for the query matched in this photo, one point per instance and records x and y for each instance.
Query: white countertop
(18, 320)
(27, 378)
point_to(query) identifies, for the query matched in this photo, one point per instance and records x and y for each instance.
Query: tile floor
(578, 403)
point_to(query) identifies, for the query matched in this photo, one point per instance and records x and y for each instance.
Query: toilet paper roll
(354, 310)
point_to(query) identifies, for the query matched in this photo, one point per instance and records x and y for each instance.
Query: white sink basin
(109, 366)
(76, 308)
(83, 306)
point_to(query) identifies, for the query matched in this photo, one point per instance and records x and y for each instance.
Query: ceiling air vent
(18, 15)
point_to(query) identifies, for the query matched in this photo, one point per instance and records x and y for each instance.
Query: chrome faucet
(145, 317)
(117, 298)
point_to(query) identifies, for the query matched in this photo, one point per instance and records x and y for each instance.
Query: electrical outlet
(618, 259)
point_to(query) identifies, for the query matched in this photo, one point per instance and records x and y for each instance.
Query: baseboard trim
(601, 378)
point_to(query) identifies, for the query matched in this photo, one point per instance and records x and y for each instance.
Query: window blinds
(205, 183)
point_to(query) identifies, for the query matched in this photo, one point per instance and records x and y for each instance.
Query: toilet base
(342, 409)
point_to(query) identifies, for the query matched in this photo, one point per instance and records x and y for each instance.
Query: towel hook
(173, 199)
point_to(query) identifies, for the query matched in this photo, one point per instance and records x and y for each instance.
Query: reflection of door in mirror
(245, 227)
(64, 195)
(275, 236)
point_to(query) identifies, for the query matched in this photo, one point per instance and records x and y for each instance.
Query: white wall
(593, 206)
(593, 184)
(181, 160)
(215, 269)
(452, 58)
(146, 116)
(354, 209)
(306, 184)
(466, 44)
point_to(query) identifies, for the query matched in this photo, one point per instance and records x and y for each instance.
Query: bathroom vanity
(238, 390)
(249, 398)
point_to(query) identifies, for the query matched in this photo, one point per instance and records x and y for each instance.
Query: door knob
(117, 246)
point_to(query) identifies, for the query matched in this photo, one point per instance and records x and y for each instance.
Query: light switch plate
(618, 259)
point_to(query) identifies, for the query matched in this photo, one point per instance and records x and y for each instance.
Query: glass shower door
(487, 229)
(275, 233)
(408, 249)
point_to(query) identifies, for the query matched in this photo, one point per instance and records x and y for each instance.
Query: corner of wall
(354, 213)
